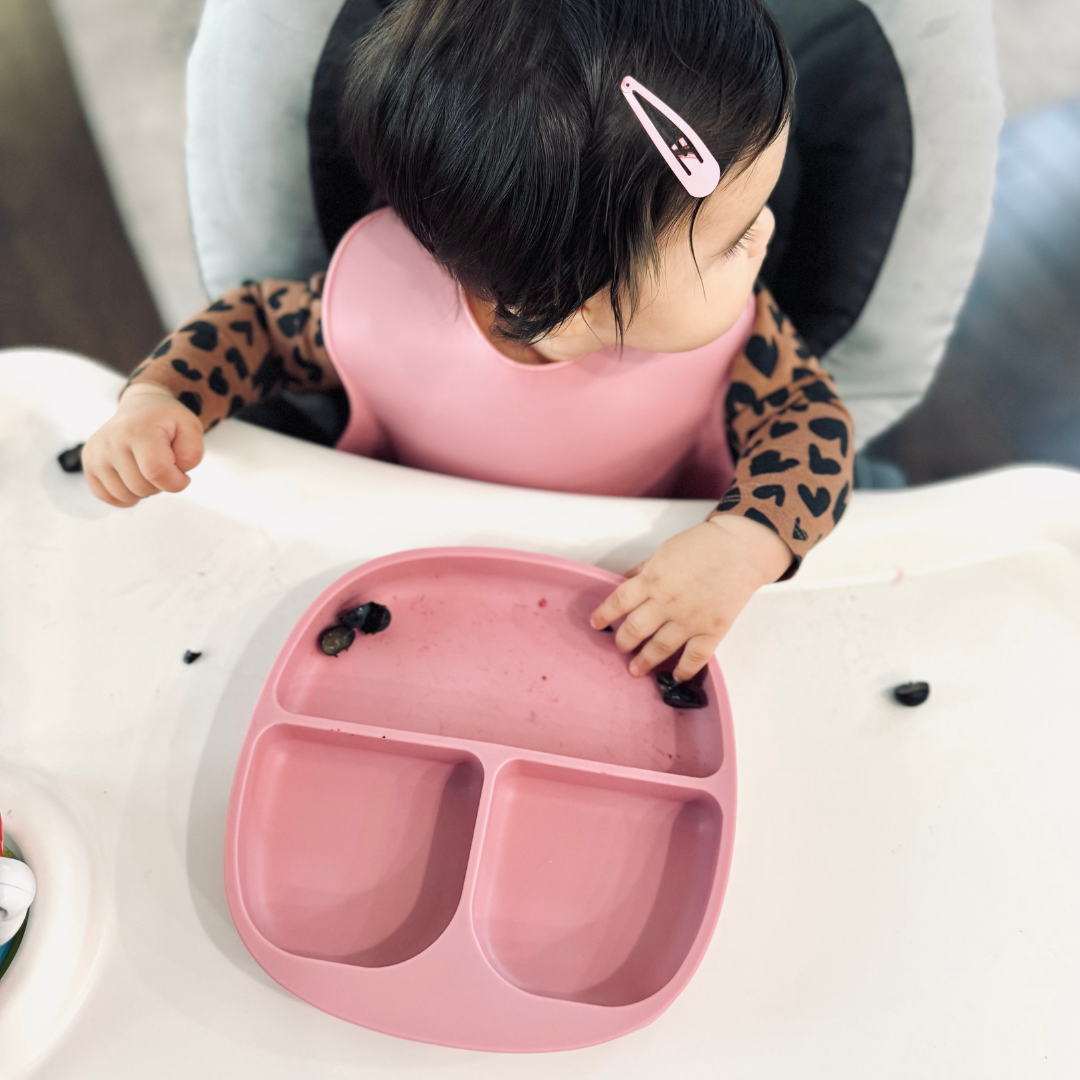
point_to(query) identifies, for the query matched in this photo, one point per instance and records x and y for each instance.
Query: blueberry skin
(336, 639)
(679, 695)
(369, 618)
(912, 693)
(71, 460)
(190, 657)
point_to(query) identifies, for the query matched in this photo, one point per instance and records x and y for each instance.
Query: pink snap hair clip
(688, 157)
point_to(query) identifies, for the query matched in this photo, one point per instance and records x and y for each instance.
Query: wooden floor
(1009, 387)
(68, 277)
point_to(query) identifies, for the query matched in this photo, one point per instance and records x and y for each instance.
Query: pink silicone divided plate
(476, 828)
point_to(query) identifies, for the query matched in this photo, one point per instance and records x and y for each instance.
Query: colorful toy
(475, 828)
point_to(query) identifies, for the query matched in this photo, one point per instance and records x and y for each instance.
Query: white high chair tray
(903, 900)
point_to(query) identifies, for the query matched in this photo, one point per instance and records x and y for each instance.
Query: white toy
(17, 891)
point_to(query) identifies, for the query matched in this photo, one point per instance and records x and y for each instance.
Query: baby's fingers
(118, 492)
(187, 445)
(133, 477)
(698, 652)
(642, 622)
(99, 491)
(157, 462)
(661, 645)
(629, 595)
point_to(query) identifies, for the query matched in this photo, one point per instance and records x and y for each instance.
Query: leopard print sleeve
(790, 436)
(257, 339)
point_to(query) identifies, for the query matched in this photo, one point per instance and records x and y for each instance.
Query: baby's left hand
(690, 592)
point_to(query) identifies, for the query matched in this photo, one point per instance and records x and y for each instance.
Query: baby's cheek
(756, 255)
(742, 284)
(726, 298)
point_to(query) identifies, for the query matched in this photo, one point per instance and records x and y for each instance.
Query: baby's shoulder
(380, 233)
(380, 255)
(384, 284)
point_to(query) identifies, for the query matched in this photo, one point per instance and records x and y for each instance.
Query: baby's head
(499, 133)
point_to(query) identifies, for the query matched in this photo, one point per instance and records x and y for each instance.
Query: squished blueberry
(912, 693)
(190, 657)
(370, 618)
(679, 695)
(336, 639)
(71, 460)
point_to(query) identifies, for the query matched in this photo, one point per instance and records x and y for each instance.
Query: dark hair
(498, 132)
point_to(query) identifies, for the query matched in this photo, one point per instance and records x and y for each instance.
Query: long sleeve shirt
(752, 420)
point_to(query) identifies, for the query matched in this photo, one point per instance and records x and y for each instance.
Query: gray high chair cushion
(250, 81)
(946, 51)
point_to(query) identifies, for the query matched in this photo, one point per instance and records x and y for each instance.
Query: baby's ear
(596, 311)
(589, 322)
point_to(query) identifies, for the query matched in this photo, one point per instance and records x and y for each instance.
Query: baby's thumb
(188, 445)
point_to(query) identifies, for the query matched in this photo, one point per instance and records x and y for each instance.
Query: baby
(560, 292)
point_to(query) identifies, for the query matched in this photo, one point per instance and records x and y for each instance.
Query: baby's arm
(791, 434)
(256, 340)
(792, 439)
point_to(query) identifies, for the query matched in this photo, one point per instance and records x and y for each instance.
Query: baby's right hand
(148, 446)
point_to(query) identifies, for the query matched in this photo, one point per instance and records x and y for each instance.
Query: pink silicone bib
(476, 828)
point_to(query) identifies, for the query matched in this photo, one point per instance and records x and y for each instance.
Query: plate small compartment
(591, 887)
(354, 849)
